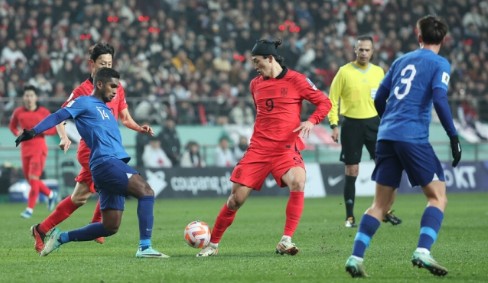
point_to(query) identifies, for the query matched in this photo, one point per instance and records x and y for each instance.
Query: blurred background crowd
(188, 59)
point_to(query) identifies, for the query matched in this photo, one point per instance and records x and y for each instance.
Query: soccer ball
(197, 234)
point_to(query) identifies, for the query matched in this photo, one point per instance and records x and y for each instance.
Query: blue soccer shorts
(111, 181)
(418, 160)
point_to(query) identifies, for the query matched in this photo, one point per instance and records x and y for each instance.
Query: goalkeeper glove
(25, 136)
(456, 150)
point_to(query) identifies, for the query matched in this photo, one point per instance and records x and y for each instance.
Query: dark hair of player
(99, 49)
(105, 74)
(30, 87)
(432, 29)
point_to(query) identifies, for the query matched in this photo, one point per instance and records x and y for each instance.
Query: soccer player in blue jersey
(404, 100)
(113, 178)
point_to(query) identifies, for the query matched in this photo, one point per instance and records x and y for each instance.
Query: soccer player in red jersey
(101, 55)
(33, 152)
(276, 142)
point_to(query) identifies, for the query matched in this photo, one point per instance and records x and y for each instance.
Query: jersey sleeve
(334, 96)
(442, 76)
(321, 101)
(75, 107)
(14, 123)
(122, 102)
(45, 113)
(74, 95)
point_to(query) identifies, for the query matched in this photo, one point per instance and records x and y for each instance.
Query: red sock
(294, 211)
(224, 220)
(43, 188)
(33, 193)
(97, 214)
(62, 211)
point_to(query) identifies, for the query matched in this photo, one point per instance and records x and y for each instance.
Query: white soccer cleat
(52, 243)
(210, 250)
(286, 247)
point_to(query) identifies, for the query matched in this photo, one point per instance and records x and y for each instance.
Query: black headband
(264, 48)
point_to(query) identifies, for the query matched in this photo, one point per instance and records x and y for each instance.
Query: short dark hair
(365, 37)
(30, 87)
(432, 29)
(101, 48)
(105, 74)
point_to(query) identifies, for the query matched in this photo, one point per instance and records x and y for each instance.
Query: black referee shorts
(354, 134)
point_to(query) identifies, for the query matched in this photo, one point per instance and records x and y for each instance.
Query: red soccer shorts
(85, 175)
(254, 167)
(33, 165)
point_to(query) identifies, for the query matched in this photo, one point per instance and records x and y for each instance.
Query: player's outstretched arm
(47, 123)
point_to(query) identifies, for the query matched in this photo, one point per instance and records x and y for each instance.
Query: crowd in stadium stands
(192, 55)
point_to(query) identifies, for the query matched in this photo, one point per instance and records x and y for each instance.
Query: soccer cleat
(209, 250)
(150, 253)
(286, 247)
(51, 202)
(350, 222)
(355, 267)
(38, 238)
(52, 243)
(423, 260)
(26, 214)
(390, 217)
(100, 240)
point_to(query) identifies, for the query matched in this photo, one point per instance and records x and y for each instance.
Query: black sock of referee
(349, 195)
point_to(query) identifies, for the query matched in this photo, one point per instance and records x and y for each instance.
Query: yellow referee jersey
(354, 87)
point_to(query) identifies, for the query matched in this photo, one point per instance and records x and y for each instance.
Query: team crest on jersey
(284, 91)
(445, 78)
(311, 84)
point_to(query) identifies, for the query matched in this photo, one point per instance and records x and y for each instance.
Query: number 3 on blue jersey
(406, 80)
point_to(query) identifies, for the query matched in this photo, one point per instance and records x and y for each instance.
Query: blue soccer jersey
(99, 128)
(411, 81)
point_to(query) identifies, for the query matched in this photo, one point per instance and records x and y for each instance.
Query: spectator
(241, 147)
(170, 141)
(192, 158)
(242, 114)
(224, 156)
(10, 54)
(207, 31)
(154, 156)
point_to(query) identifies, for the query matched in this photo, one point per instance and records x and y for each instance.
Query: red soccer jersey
(278, 104)
(22, 118)
(117, 104)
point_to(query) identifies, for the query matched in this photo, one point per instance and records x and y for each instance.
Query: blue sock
(429, 227)
(87, 233)
(367, 228)
(145, 215)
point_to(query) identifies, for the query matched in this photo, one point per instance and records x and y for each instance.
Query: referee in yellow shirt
(352, 91)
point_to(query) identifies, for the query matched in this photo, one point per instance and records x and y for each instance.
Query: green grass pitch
(247, 249)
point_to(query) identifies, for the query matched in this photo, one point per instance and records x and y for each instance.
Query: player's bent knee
(234, 203)
(297, 185)
(80, 200)
(110, 229)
